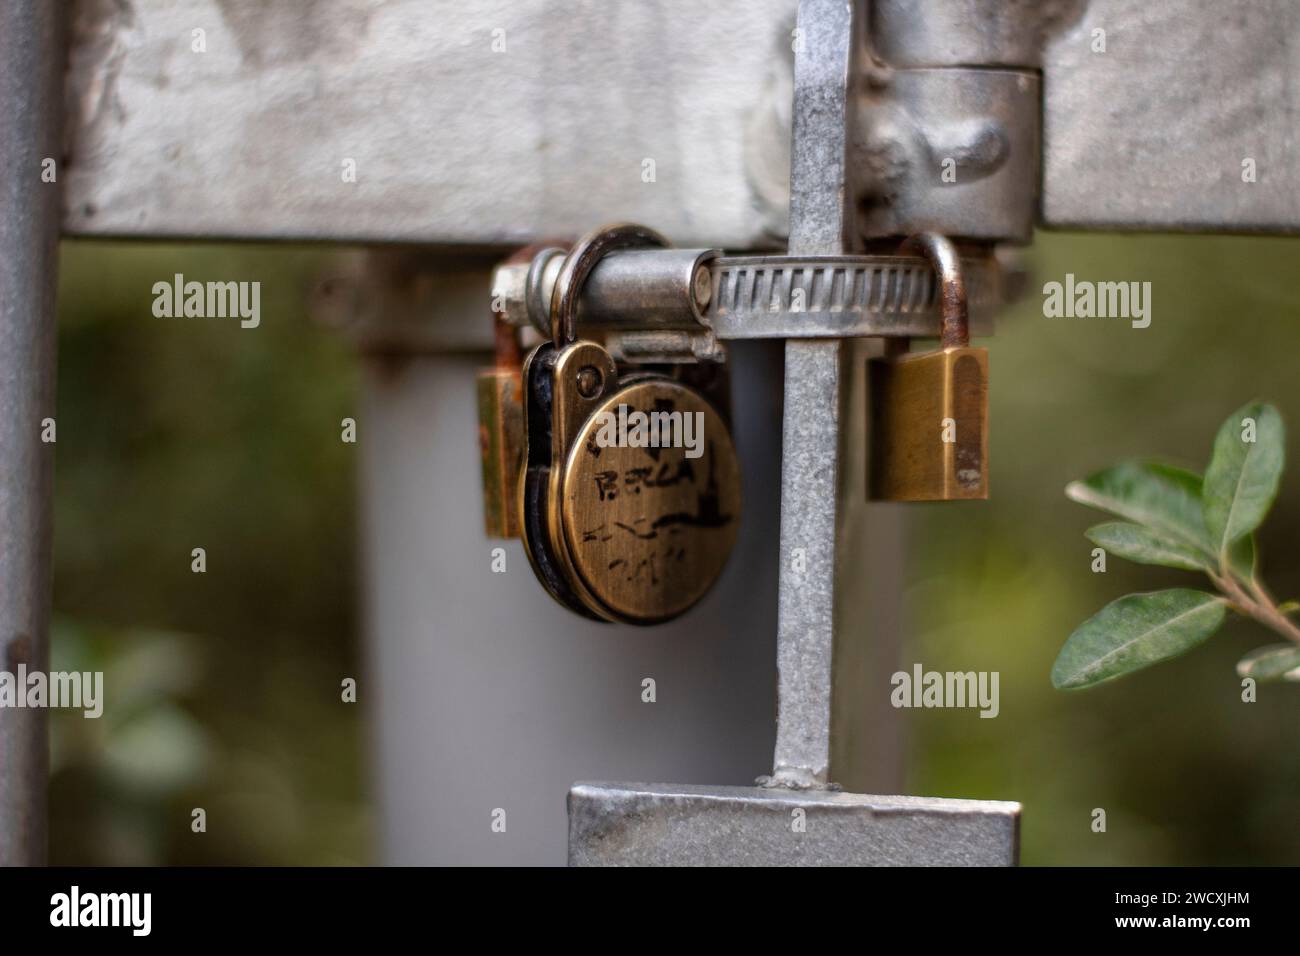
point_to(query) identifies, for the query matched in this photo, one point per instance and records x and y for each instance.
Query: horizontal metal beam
(434, 121)
(1186, 121)
(677, 825)
(501, 122)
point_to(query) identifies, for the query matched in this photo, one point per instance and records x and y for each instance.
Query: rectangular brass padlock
(501, 442)
(929, 426)
(929, 411)
(500, 392)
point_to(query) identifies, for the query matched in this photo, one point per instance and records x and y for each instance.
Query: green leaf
(1145, 546)
(1242, 478)
(1136, 631)
(1271, 662)
(1161, 497)
(1242, 559)
(1289, 607)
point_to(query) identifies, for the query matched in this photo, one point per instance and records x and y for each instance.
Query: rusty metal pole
(31, 131)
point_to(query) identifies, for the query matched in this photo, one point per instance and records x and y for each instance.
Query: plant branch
(1257, 604)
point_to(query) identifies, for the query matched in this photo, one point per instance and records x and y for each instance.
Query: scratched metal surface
(457, 144)
(1151, 134)
(454, 143)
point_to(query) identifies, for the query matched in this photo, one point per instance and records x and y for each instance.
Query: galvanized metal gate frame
(31, 129)
(1109, 127)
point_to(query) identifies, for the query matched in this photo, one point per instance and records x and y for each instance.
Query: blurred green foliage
(1186, 772)
(224, 687)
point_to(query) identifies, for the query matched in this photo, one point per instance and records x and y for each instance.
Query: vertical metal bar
(819, 224)
(806, 595)
(31, 129)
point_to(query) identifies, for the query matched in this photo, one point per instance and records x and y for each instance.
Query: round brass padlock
(630, 495)
(649, 527)
(630, 491)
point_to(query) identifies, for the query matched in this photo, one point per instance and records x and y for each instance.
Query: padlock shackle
(942, 256)
(579, 263)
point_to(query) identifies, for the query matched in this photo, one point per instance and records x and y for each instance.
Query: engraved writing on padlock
(621, 524)
(929, 410)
